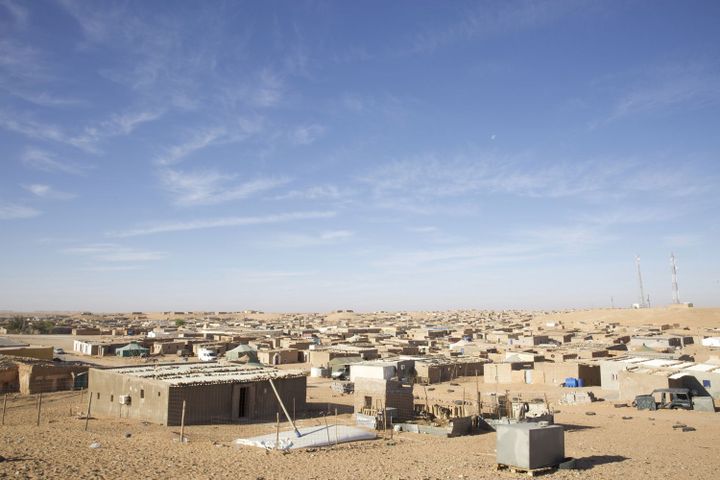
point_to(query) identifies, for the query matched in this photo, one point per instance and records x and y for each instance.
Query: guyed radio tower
(643, 303)
(673, 269)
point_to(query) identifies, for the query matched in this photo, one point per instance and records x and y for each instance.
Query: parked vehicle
(207, 354)
(665, 398)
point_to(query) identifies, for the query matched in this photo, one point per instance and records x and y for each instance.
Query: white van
(207, 354)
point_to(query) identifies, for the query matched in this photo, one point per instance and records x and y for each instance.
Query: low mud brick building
(213, 392)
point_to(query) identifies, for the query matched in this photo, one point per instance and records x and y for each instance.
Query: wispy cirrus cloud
(88, 139)
(300, 240)
(17, 11)
(47, 162)
(654, 89)
(237, 130)
(222, 222)
(48, 192)
(14, 211)
(306, 134)
(318, 192)
(200, 140)
(528, 244)
(483, 173)
(492, 19)
(122, 123)
(44, 131)
(211, 187)
(111, 252)
(26, 73)
(269, 89)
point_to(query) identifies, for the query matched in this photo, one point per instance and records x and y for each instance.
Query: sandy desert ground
(613, 443)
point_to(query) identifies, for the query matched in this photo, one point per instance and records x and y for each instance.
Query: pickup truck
(670, 398)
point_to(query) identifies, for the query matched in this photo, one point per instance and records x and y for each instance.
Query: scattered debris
(575, 398)
(688, 429)
(590, 413)
(95, 445)
(627, 418)
(569, 464)
(128, 434)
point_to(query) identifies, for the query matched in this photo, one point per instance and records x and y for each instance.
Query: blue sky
(306, 156)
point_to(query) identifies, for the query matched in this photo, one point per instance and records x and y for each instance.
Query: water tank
(530, 445)
(319, 372)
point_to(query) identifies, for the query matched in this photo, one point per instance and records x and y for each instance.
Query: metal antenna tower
(642, 290)
(673, 269)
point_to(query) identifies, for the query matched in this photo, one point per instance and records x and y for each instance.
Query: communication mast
(643, 303)
(673, 269)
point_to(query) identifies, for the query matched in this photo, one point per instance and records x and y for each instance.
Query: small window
(97, 396)
(142, 393)
(158, 394)
(111, 398)
(707, 384)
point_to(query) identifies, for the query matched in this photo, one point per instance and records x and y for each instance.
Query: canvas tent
(132, 349)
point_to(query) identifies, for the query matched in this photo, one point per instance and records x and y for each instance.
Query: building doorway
(242, 402)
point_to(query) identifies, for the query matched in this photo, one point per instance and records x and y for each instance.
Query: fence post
(87, 414)
(277, 430)
(4, 408)
(182, 424)
(327, 430)
(39, 406)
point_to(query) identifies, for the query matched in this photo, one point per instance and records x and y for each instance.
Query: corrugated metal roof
(206, 373)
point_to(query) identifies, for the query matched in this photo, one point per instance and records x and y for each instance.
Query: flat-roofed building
(213, 392)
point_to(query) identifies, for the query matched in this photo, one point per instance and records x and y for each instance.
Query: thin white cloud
(526, 245)
(254, 276)
(47, 162)
(211, 187)
(494, 19)
(683, 240)
(111, 268)
(42, 131)
(224, 222)
(13, 211)
(199, 141)
(110, 252)
(18, 12)
(269, 90)
(450, 176)
(306, 134)
(121, 124)
(297, 240)
(46, 191)
(317, 192)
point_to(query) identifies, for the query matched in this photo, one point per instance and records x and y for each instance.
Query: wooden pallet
(532, 472)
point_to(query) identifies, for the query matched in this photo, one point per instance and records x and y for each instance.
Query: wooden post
(182, 424)
(277, 430)
(336, 431)
(463, 404)
(87, 414)
(287, 415)
(39, 407)
(384, 420)
(4, 408)
(477, 392)
(327, 429)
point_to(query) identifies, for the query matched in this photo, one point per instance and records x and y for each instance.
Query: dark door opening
(242, 403)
